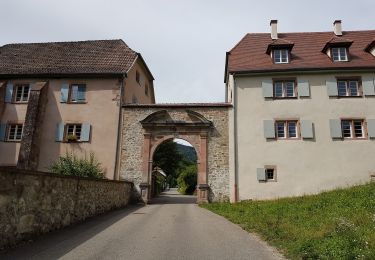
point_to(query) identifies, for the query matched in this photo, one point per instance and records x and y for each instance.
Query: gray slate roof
(65, 58)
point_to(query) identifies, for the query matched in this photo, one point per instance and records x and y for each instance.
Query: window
(146, 89)
(281, 56)
(270, 174)
(22, 93)
(73, 132)
(353, 128)
(339, 54)
(287, 129)
(138, 77)
(14, 132)
(77, 93)
(348, 88)
(284, 89)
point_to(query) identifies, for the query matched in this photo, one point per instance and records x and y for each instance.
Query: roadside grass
(338, 224)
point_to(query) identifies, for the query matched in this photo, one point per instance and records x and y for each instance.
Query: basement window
(14, 132)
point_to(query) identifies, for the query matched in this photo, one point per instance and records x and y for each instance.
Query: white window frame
(281, 52)
(18, 127)
(341, 56)
(21, 88)
(352, 128)
(286, 129)
(348, 89)
(284, 84)
(74, 132)
(274, 169)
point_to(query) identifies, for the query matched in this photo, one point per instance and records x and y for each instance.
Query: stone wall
(218, 150)
(32, 203)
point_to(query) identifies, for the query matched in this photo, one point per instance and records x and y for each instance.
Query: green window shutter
(368, 86)
(332, 88)
(371, 128)
(64, 92)
(3, 128)
(60, 132)
(261, 174)
(303, 88)
(335, 128)
(267, 88)
(81, 96)
(9, 93)
(85, 134)
(269, 128)
(307, 129)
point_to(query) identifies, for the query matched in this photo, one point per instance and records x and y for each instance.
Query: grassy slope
(338, 224)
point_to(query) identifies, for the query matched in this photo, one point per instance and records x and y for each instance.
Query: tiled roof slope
(249, 55)
(82, 57)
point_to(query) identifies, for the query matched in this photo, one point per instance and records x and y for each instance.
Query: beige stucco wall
(303, 166)
(133, 88)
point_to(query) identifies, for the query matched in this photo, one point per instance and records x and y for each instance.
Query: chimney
(273, 24)
(337, 29)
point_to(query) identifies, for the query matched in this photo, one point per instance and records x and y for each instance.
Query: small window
(146, 89)
(77, 93)
(280, 56)
(339, 54)
(287, 129)
(138, 77)
(284, 89)
(22, 93)
(348, 88)
(73, 132)
(14, 132)
(270, 172)
(353, 128)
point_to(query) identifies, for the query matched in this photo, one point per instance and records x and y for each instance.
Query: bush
(71, 165)
(187, 179)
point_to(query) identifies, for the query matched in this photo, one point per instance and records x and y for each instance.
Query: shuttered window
(353, 128)
(284, 89)
(77, 93)
(348, 88)
(14, 132)
(287, 129)
(73, 132)
(22, 92)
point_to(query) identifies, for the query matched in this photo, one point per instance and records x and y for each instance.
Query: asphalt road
(173, 227)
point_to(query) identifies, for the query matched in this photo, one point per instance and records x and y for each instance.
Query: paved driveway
(173, 227)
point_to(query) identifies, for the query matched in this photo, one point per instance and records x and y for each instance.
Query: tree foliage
(187, 179)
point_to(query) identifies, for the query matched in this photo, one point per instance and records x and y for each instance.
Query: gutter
(116, 175)
(236, 188)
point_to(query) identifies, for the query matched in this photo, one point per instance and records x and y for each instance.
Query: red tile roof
(249, 55)
(82, 57)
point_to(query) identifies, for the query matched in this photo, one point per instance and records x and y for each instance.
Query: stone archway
(159, 127)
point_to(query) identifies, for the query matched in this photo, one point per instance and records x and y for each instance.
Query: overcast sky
(183, 42)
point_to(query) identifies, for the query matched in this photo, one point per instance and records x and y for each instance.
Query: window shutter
(81, 93)
(64, 93)
(368, 86)
(261, 174)
(85, 134)
(267, 87)
(9, 93)
(332, 88)
(269, 128)
(303, 88)
(371, 128)
(60, 132)
(2, 132)
(335, 128)
(307, 129)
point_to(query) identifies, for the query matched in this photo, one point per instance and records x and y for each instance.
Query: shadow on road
(64, 240)
(174, 197)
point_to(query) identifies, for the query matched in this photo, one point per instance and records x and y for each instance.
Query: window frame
(340, 60)
(347, 81)
(15, 92)
(271, 167)
(66, 126)
(352, 128)
(8, 128)
(138, 77)
(284, 81)
(70, 101)
(281, 50)
(286, 129)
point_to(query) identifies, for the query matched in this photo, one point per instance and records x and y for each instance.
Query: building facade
(67, 97)
(303, 117)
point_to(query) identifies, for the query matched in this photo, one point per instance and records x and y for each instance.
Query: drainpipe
(236, 192)
(116, 175)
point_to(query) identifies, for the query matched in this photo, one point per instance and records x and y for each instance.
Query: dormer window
(280, 55)
(339, 54)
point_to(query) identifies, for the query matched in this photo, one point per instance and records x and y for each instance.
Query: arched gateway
(205, 126)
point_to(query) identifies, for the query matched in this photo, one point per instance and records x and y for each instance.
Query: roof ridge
(57, 42)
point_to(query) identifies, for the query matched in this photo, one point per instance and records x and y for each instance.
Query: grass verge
(338, 224)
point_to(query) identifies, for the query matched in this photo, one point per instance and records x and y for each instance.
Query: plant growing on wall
(72, 138)
(71, 165)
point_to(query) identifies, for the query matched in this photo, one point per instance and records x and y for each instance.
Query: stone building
(304, 112)
(67, 96)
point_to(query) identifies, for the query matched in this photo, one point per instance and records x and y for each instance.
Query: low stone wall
(32, 203)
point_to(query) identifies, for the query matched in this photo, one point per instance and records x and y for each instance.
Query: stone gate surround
(204, 126)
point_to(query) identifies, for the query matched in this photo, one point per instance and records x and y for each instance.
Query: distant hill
(188, 152)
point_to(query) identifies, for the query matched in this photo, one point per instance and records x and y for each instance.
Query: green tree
(187, 179)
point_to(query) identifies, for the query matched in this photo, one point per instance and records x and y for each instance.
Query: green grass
(339, 224)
